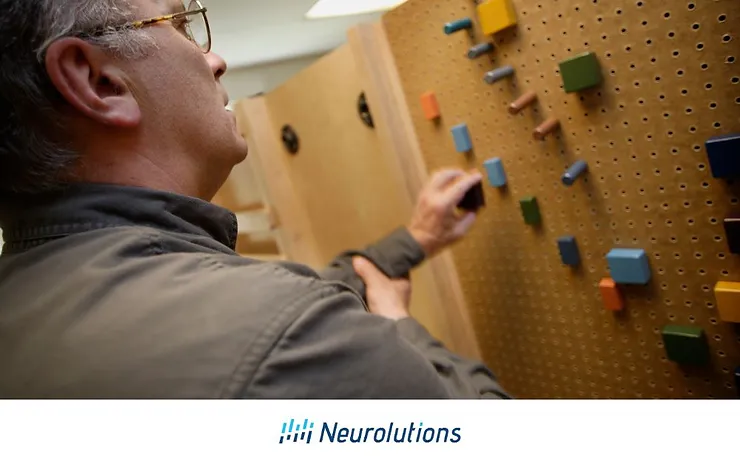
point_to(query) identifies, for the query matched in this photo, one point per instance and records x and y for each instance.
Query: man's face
(183, 102)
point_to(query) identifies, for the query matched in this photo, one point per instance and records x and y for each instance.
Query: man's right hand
(436, 222)
(386, 297)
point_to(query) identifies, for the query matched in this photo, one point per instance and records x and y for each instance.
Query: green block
(580, 72)
(686, 345)
(530, 210)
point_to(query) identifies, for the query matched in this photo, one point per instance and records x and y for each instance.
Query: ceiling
(250, 32)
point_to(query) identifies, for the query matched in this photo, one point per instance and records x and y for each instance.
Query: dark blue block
(474, 199)
(737, 379)
(724, 155)
(732, 233)
(569, 250)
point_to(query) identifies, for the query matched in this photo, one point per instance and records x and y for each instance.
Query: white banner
(378, 432)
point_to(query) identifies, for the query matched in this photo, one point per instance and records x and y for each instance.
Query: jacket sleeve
(465, 377)
(335, 349)
(395, 255)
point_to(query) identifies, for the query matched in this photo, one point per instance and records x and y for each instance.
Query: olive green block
(580, 72)
(530, 210)
(685, 344)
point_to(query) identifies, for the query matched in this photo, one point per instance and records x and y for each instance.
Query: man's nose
(218, 65)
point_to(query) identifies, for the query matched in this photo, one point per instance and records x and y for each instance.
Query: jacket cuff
(396, 254)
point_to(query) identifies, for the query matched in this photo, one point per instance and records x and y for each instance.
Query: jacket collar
(33, 220)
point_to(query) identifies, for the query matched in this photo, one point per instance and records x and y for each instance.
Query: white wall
(246, 82)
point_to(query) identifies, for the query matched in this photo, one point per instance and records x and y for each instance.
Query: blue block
(569, 250)
(629, 266)
(737, 380)
(462, 138)
(496, 173)
(724, 155)
(497, 74)
(574, 172)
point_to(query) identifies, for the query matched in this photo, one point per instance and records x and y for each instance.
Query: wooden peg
(523, 102)
(546, 128)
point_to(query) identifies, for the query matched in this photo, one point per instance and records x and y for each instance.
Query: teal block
(629, 266)
(461, 136)
(580, 72)
(496, 174)
(458, 25)
(685, 344)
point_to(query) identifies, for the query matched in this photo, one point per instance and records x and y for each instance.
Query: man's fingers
(366, 270)
(442, 178)
(457, 191)
(464, 225)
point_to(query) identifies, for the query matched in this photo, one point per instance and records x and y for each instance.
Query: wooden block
(724, 155)
(474, 199)
(496, 173)
(497, 74)
(629, 266)
(458, 25)
(479, 50)
(685, 345)
(574, 172)
(569, 254)
(580, 72)
(530, 210)
(430, 106)
(496, 15)
(461, 136)
(522, 102)
(546, 128)
(610, 295)
(732, 234)
(727, 295)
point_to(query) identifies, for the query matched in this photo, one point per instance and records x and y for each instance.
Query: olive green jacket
(122, 292)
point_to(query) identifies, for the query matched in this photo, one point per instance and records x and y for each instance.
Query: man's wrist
(425, 241)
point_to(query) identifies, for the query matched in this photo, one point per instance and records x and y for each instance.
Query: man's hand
(385, 297)
(436, 222)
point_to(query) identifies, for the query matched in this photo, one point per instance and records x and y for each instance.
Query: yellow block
(728, 300)
(496, 15)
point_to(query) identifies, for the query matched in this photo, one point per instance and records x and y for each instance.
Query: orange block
(611, 295)
(430, 106)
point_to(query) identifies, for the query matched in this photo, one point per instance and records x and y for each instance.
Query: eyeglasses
(193, 21)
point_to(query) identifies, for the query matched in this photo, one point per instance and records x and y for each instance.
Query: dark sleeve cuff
(395, 255)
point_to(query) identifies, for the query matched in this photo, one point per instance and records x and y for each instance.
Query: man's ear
(90, 82)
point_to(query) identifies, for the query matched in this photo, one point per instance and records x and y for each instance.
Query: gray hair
(34, 154)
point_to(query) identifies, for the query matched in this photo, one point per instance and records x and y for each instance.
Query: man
(118, 277)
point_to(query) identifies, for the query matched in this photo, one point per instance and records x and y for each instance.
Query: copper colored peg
(522, 102)
(546, 128)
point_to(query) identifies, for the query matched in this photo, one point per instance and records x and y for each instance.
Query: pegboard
(671, 81)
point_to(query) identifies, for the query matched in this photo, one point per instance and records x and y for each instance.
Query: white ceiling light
(334, 8)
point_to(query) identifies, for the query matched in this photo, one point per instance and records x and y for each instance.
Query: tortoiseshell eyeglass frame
(172, 17)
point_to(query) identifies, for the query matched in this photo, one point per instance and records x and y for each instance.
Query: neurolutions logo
(297, 431)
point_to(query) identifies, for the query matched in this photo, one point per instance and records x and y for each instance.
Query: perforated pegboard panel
(671, 82)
